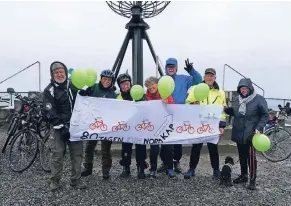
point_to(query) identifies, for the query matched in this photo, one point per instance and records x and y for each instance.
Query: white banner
(147, 122)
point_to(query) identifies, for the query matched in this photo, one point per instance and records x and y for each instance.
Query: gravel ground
(31, 187)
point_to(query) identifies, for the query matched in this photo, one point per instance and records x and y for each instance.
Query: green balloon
(91, 77)
(136, 92)
(166, 86)
(201, 91)
(79, 78)
(261, 142)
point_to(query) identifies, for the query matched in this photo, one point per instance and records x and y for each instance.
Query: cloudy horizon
(252, 37)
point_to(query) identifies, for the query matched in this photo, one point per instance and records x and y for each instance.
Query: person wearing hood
(182, 84)
(152, 93)
(103, 89)
(124, 82)
(59, 97)
(216, 96)
(250, 112)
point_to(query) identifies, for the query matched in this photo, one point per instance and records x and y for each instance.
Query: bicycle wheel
(280, 144)
(10, 131)
(45, 152)
(24, 144)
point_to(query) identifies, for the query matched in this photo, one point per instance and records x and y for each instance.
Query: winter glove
(83, 92)
(189, 65)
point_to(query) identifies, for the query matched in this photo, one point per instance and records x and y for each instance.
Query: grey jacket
(256, 117)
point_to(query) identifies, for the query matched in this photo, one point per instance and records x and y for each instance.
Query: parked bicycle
(28, 134)
(280, 138)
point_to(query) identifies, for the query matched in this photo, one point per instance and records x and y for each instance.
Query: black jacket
(256, 117)
(59, 101)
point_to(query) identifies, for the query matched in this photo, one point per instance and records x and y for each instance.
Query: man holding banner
(125, 84)
(59, 98)
(182, 84)
(216, 96)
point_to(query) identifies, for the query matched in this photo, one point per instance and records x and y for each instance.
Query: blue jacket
(183, 82)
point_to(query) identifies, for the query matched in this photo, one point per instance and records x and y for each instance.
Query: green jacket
(96, 91)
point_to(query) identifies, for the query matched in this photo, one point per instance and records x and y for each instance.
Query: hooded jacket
(216, 96)
(59, 99)
(182, 82)
(256, 116)
(157, 96)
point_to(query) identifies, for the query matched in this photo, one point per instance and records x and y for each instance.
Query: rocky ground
(31, 187)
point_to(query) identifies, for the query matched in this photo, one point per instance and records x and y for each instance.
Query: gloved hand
(83, 92)
(189, 65)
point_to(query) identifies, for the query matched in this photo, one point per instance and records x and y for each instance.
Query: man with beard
(103, 89)
(124, 83)
(59, 98)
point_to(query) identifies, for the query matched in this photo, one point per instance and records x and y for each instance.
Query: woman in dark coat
(250, 111)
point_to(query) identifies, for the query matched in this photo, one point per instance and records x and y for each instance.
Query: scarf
(155, 96)
(243, 103)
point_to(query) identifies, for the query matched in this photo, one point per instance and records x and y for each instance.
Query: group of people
(249, 110)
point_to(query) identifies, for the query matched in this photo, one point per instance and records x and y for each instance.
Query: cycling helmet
(107, 73)
(122, 78)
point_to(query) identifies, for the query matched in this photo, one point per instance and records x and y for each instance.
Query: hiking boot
(55, 185)
(88, 170)
(241, 179)
(216, 174)
(171, 173)
(252, 185)
(190, 173)
(152, 174)
(177, 167)
(78, 184)
(162, 168)
(126, 172)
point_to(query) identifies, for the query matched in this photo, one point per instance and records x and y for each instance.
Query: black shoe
(241, 179)
(126, 172)
(141, 174)
(252, 185)
(177, 167)
(88, 169)
(106, 175)
(162, 168)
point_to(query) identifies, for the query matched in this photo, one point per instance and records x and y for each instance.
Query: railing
(227, 66)
(39, 74)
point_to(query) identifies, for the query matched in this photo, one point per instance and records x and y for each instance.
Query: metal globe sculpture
(136, 11)
(149, 8)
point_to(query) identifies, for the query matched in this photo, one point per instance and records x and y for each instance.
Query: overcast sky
(254, 38)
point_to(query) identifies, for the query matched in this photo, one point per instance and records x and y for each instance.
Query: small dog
(225, 175)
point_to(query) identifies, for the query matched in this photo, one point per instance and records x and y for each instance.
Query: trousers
(213, 153)
(247, 156)
(177, 153)
(140, 155)
(105, 152)
(58, 147)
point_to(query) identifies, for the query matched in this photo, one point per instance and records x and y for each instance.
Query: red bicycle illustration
(98, 124)
(121, 126)
(145, 125)
(186, 127)
(205, 128)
